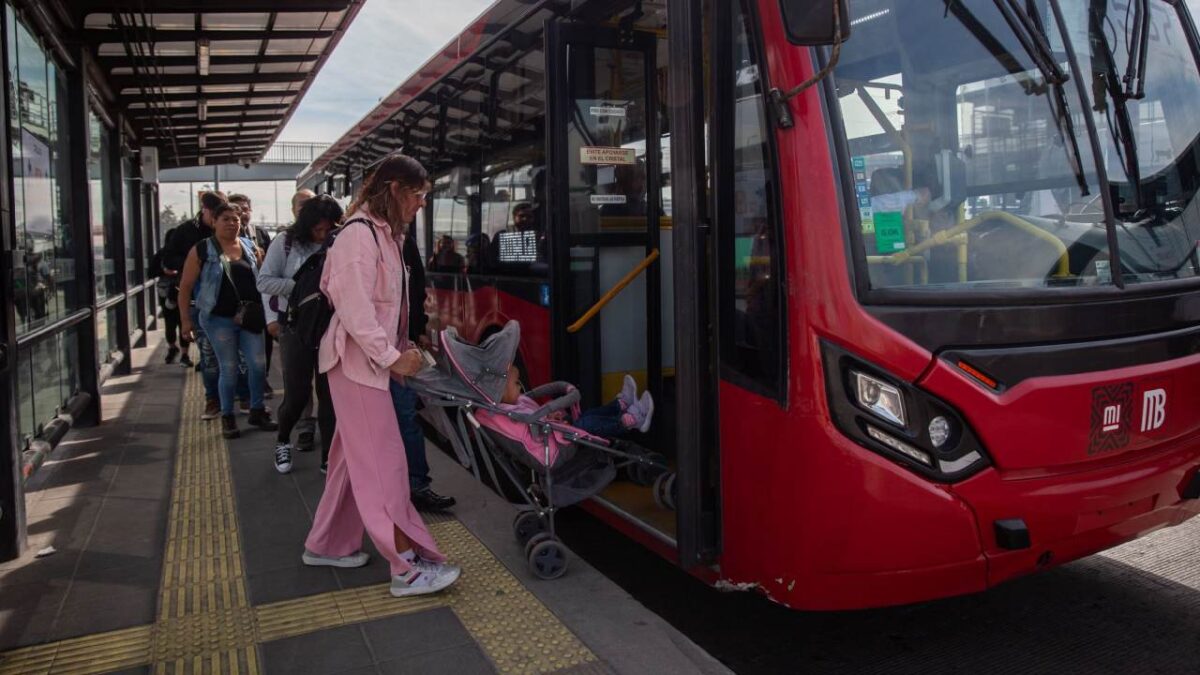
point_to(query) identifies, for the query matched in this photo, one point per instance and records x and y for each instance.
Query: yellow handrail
(950, 236)
(613, 292)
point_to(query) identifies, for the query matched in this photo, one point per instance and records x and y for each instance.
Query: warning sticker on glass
(606, 111)
(608, 199)
(590, 154)
(889, 231)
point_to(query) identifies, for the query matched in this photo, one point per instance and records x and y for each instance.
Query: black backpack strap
(202, 249)
(369, 224)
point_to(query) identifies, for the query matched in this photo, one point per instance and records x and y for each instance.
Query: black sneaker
(259, 417)
(229, 427)
(186, 361)
(283, 458)
(426, 499)
(305, 441)
(172, 352)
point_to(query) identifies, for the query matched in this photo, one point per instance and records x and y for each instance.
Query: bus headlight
(899, 420)
(880, 398)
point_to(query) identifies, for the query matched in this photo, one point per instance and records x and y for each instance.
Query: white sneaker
(628, 395)
(283, 457)
(425, 577)
(353, 560)
(646, 402)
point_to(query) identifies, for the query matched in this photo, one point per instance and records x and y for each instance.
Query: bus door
(604, 205)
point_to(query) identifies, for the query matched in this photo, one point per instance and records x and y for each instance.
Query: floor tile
(407, 635)
(323, 653)
(290, 583)
(461, 660)
(121, 608)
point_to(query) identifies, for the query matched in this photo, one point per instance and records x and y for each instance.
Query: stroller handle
(564, 397)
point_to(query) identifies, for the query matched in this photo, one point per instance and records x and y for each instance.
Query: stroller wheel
(664, 491)
(548, 560)
(534, 541)
(644, 474)
(527, 524)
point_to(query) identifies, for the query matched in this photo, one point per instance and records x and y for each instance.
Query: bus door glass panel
(613, 206)
(750, 274)
(447, 263)
(606, 151)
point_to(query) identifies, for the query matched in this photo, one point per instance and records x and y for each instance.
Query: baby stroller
(565, 465)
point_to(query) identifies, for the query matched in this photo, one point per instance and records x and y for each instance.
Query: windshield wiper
(1121, 128)
(1139, 33)
(1027, 25)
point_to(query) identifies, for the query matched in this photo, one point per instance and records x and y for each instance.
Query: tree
(167, 218)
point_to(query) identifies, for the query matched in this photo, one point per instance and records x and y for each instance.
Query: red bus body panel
(815, 521)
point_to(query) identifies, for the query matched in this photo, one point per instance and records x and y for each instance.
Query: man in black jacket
(405, 399)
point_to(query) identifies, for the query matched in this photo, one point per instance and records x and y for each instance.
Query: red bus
(919, 295)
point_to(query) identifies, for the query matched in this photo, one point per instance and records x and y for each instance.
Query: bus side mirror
(815, 23)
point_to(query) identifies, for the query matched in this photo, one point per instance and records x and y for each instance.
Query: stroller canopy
(476, 372)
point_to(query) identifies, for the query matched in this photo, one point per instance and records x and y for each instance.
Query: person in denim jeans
(405, 400)
(178, 246)
(226, 267)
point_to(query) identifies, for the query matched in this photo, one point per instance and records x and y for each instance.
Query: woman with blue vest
(222, 271)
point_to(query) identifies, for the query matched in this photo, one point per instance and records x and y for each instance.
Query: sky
(387, 42)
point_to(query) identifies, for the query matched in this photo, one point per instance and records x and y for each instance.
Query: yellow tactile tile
(206, 623)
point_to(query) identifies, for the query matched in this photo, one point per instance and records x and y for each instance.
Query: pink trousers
(367, 483)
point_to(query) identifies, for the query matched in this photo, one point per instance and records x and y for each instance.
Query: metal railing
(294, 153)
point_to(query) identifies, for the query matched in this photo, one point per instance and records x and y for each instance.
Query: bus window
(451, 203)
(513, 212)
(751, 273)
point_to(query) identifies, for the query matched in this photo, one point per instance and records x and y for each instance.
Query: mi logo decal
(1112, 418)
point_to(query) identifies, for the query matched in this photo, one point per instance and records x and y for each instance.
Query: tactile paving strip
(207, 625)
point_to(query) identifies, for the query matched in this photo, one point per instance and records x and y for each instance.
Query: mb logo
(1154, 409)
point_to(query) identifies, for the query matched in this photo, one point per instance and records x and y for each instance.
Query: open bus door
(609, 223)
(603, 189)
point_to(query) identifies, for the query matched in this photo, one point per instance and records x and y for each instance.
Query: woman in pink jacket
(367, 342)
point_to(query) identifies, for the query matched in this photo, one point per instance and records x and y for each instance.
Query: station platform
(167, 549)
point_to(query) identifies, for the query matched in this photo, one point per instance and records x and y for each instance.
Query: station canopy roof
(485, 88)
(210, 81)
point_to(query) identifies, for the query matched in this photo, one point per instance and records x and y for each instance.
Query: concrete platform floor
(179, 552)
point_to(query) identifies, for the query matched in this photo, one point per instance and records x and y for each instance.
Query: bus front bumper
(1068, 516)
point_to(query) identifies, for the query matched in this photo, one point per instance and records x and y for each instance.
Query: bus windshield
(973, 166)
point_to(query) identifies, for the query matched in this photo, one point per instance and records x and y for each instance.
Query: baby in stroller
(551, 452)
(615, 419)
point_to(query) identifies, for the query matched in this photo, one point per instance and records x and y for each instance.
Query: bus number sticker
(889, 231)
(590, 154)
(599, 200)
(606, 111)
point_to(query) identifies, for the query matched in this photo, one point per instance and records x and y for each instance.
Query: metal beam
(110, 62)
(82, 8)
(259, 171)
(103, 35)
(123, 81)
(209, 96)
(213, 112)
(220, 134)
(192, 120)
